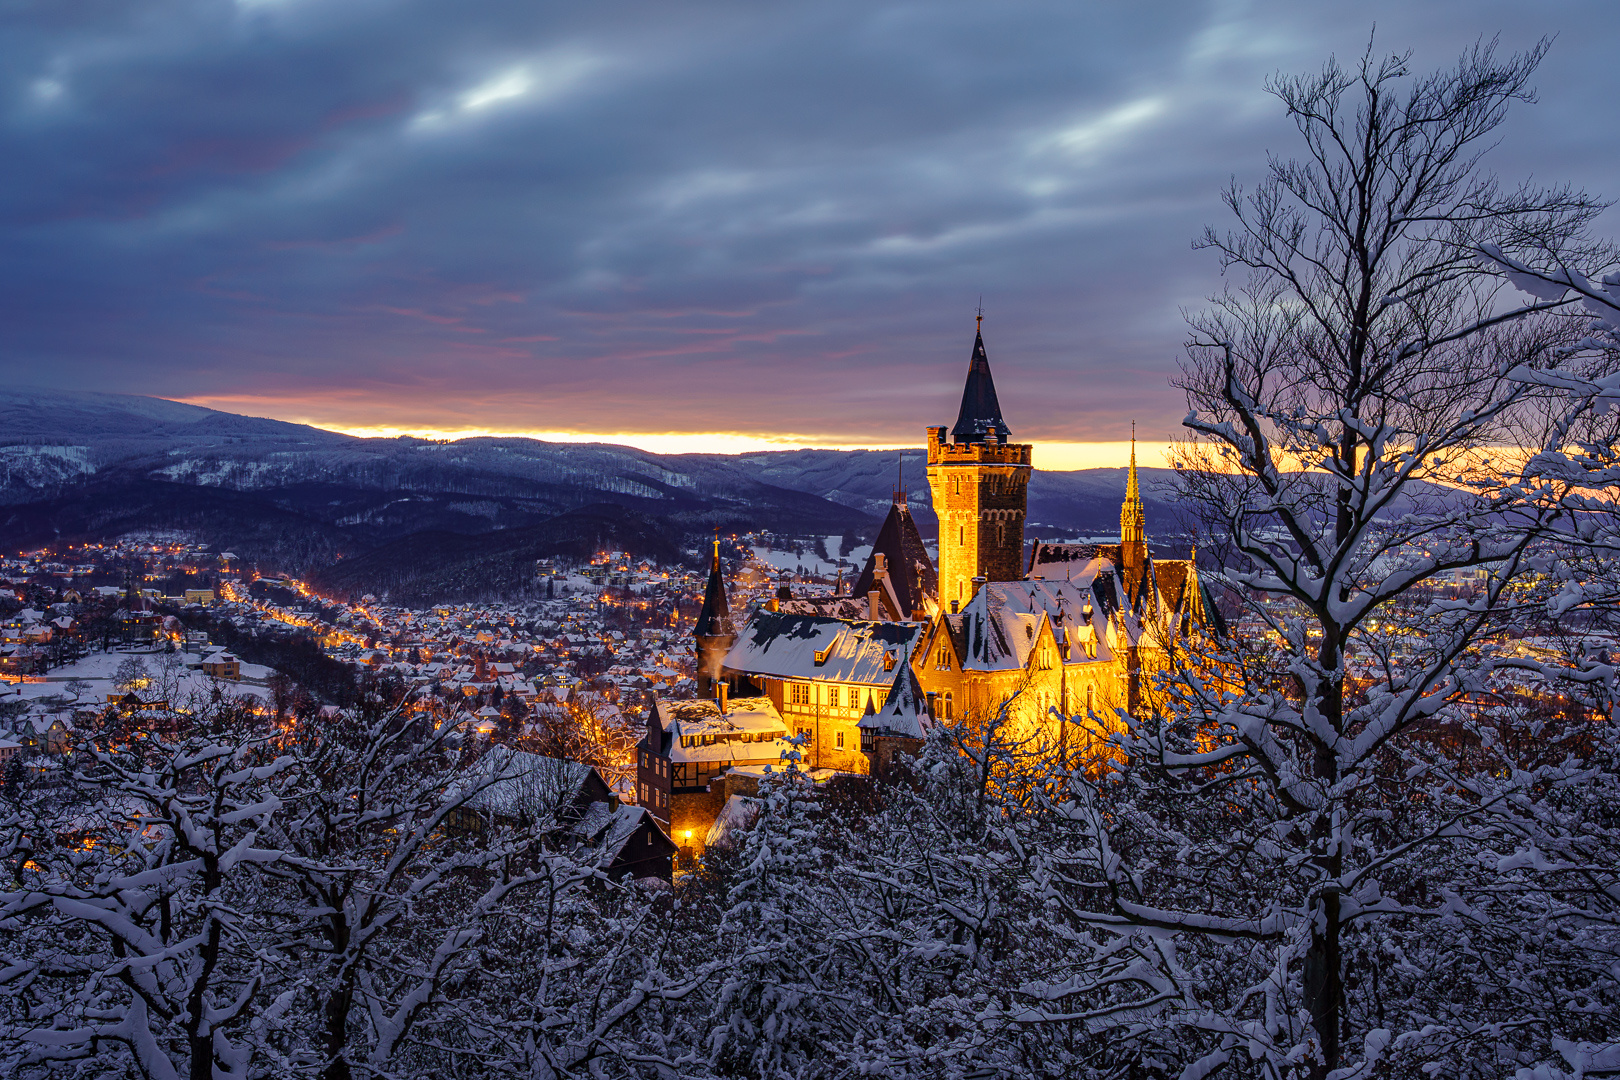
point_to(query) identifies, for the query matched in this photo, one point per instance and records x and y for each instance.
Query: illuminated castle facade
(1056, 643)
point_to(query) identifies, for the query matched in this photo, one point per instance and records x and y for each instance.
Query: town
(515, 565)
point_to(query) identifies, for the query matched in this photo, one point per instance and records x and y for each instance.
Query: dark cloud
(661, 217)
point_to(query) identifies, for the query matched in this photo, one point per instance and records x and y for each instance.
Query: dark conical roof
(910, 568)
(715, 618)
(981, 412)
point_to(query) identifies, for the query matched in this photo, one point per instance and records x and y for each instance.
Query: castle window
(942, 660)
(800, 693)
(1001, 535)
(840, 740)
(1091, 698)
(949, 712)
(961, 535)
(832, 696)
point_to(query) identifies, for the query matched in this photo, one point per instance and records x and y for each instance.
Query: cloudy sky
(768, 220)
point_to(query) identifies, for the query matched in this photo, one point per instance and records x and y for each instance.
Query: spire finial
(1132, 519)
(716, 564)
(979, 326)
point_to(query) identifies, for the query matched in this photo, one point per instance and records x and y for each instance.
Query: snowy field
(812, 559)
(168, 672)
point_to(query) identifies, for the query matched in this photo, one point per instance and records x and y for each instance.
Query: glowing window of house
(801, 693)
(949, 709)
(832, 696)
(942, 660)
(840, 740)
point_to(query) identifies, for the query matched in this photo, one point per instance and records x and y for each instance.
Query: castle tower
(1132, 527)
(715, 634)
(980, 484)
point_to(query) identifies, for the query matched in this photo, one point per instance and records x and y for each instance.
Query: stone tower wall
(981, 494)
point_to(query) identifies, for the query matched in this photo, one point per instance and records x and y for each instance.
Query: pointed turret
(980, 417)
(714, 632)
(910, 570)
(1132, 527)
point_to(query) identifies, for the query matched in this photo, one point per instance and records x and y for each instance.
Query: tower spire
(979, 419)
(714, 631)
(1132, 523)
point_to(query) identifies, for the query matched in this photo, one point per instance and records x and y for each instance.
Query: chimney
(720, 687)
(953, 607)
(872, 610)
(978, 583)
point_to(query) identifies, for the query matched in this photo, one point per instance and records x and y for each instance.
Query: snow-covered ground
(168, 672)
(812, 559)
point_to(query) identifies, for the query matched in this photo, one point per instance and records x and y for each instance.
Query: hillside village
(681, 686)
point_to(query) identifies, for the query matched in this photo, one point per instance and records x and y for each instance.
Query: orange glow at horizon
(1051, 455)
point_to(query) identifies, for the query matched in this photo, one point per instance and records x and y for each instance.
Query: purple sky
(759, 218)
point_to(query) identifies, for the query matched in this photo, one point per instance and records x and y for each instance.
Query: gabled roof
(513, 783)
(613, 830)
(910, 570)
(1062, 562)
(782, 645)
(905, 713)
(980, 414)
(1001, 625)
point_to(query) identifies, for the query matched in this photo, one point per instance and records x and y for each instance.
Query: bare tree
(1357, 430)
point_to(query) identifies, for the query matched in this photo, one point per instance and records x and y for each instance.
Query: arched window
(1091, 698)
(949, 715)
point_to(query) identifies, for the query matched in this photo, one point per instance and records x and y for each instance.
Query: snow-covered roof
(787, 646)
(905, 713)
(511, 783)
(1000, 626)
(749, 730)
(739, 813)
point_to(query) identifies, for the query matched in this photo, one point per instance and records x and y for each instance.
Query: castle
(1052, 647)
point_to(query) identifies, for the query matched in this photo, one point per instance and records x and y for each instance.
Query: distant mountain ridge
(91, 466)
